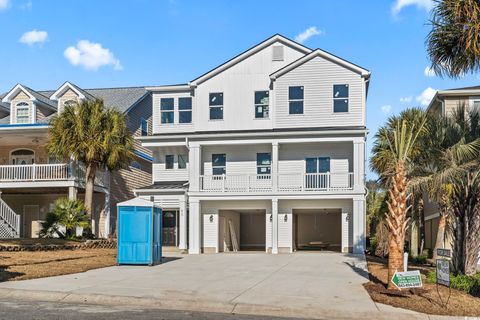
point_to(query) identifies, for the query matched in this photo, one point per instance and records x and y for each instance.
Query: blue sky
(140, 42)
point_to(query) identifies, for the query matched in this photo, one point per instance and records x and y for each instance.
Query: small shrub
(420, 259)
(468, 284)
(67, 215)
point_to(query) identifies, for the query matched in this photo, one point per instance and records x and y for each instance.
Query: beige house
(30, 181)
(445, 102)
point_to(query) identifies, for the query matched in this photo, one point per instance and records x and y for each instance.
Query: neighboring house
(265, 151)
(445, 102)
(30, 180)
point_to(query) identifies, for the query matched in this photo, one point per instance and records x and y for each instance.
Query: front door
(169, 228)
(31, 216)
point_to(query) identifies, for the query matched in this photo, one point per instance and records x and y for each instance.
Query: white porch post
(72, 193)
(106, 215)
(274, 226)
(358, 165)
(274, 172)
(358, 217)
(194, 169)
(183, 225)
(195, 227)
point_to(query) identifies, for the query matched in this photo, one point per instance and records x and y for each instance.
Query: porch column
(72, 193)
(274, 226)
(358, 165)
(183, 225)
(358, 217)
(106, 215)
(195, 227)
(194, 167)
(274, 172)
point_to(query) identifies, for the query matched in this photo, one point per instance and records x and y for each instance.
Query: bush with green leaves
(468, 284)
(420, 259)
(63, 221)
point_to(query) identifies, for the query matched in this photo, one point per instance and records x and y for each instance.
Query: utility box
(139, 232)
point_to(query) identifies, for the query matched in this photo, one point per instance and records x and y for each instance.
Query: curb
(200, 305)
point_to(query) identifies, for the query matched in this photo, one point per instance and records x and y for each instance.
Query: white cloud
(33, 37)
(307, 34)
(427, 5)
(27, 5)
(428, 72)
(386, 108)
(91, 56)
(4, 4)
(426, 96)
(406, 99)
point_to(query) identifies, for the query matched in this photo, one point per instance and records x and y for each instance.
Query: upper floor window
(215, 103)
(166, 110)
(219, 163)
(182, 161)
(70, 103)
(295, 100)
(317, 165)
(144, 127)
(340, 98)
(261, 104)
(476, 106)
(185, 110)
(264, 163)
(136, 165)
(169, 161)
(23, 112)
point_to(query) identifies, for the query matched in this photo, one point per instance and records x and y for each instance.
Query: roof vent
(277, 53)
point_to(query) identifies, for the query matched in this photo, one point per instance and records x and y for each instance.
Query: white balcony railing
(49, 172)
(295, 182)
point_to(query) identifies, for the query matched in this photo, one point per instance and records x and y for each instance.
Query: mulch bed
(55, 244)
(425, 299)
(38, 264)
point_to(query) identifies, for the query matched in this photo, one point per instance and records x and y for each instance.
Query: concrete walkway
(308, 285)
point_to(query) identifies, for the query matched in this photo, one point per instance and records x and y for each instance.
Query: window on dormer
(166, 110)
(70, 103)
(23, 112)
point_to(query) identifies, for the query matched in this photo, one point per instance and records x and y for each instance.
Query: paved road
(18, 310)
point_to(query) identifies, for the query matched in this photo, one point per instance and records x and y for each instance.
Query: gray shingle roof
(119, 98)
(466, 88)
(5, 120)
(166, 185)
(40, 97)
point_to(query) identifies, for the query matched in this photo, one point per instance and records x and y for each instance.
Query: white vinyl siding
(210, 230)
(318, 76)
(159, 171)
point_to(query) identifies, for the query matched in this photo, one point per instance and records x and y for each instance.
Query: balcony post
(358, 164)
(274, 226)
(34, 171)
(274, 169)
(194, 167)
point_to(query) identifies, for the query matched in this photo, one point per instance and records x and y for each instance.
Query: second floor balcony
(259, 183)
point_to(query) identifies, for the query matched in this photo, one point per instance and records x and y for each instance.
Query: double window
(215, 102)
(264, 163)
(295, 100)
(317, 165)
(219, 163)
(261, 104)
(166, 110)
(169, 161)
(144, 127)
(340, 98)
(23, 112)
(185, 110)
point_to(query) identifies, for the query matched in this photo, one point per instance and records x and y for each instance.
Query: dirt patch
(38, 264)
(424, 300)
(38, 241)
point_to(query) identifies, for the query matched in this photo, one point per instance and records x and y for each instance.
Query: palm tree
(454, 41)
(395, 146)
(93, 134)
(67, 213)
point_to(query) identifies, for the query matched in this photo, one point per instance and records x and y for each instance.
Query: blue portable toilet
(139, 232)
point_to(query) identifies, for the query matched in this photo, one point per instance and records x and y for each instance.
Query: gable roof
(323, 54)
(66, 85)
(249, 52)
(34, 96)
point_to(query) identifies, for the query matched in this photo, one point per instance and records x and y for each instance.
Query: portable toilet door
(139, 232)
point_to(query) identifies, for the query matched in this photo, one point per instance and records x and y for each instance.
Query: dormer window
(69, 103)
(22, 112)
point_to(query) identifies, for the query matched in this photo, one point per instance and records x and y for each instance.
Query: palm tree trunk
(397, 221)
(439, 243)
(89, 182)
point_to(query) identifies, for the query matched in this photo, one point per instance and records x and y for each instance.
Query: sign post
(407, 280)
(443, 272)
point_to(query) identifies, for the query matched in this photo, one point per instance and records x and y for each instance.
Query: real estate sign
(443, 272)
(443, 253)
(407, 279)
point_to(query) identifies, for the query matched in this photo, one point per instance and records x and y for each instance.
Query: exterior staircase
(9, 222)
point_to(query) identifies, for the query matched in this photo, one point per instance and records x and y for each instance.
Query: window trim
(317, 159)
(264, 165)
(256, 105)
(216, 166)
(167, 156)
(295, 100)
(22, 106)
(341, 98)
(216, 106)
(143, 122)
(167, 111)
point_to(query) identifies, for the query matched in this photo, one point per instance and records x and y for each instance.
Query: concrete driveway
(254, 283)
